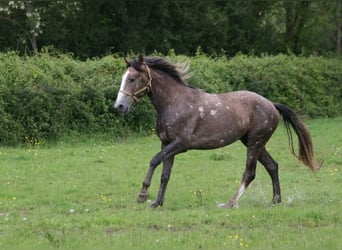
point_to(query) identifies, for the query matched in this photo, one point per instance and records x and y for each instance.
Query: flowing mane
(179, 71)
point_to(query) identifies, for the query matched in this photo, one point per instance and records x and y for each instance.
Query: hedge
(49, 95)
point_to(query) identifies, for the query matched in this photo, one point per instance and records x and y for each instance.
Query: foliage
(51, 94)
(81, 194)
(26, 16)
(96, 28)
(312, 86)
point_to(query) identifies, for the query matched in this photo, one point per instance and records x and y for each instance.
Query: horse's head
(134, 84)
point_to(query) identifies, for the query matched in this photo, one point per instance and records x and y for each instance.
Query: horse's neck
(165, 94)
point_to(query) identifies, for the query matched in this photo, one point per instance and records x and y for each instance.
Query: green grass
(80, 193)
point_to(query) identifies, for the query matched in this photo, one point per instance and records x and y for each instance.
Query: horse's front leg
(143, 195)
(165, 177)
(168, 151)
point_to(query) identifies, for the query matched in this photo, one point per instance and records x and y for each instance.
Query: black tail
(304, 137)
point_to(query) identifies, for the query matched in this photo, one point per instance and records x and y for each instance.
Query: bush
(311, 86)
(49, 95)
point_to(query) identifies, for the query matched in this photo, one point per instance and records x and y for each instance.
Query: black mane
(160, 64)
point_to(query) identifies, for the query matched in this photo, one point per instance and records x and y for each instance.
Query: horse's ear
(126, 61)
(141, 59)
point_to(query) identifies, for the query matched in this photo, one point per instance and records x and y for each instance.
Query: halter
(147, 87)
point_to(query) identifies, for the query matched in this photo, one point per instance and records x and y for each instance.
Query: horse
(190, 118)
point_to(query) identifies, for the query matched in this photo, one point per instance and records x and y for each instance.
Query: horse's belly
(216, 137)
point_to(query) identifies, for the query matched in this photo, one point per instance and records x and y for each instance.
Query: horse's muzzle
(123, 103)
(121, 108)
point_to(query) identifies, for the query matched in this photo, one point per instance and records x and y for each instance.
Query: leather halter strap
(146, 88)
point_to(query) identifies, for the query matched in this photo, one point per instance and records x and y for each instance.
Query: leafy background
(51, 94)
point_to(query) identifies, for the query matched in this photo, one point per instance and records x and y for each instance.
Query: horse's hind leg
(272, 168)
(248, 176)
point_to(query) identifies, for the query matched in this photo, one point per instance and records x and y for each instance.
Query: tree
(248, 29)
(26, 16)
(98, 27)
(338, 21)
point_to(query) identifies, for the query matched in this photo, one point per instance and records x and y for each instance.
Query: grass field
(80, 193)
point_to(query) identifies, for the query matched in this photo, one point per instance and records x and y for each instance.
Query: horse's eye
(131, 80)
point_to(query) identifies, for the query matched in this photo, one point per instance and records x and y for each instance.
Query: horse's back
(248, 101)
(261, 112)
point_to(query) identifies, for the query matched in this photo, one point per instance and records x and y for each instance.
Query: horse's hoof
(156, 204)
(276, 199)
(143, 197)
(228, 205)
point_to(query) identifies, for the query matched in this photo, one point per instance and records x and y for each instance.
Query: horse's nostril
(121, 108)
(118, 106)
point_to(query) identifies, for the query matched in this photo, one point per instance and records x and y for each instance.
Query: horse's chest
(169, 129)
(164, 130)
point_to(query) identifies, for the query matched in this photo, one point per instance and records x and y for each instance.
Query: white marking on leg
(233, 202)
(240, 192)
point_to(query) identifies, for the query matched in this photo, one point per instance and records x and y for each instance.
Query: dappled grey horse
(189, 118)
